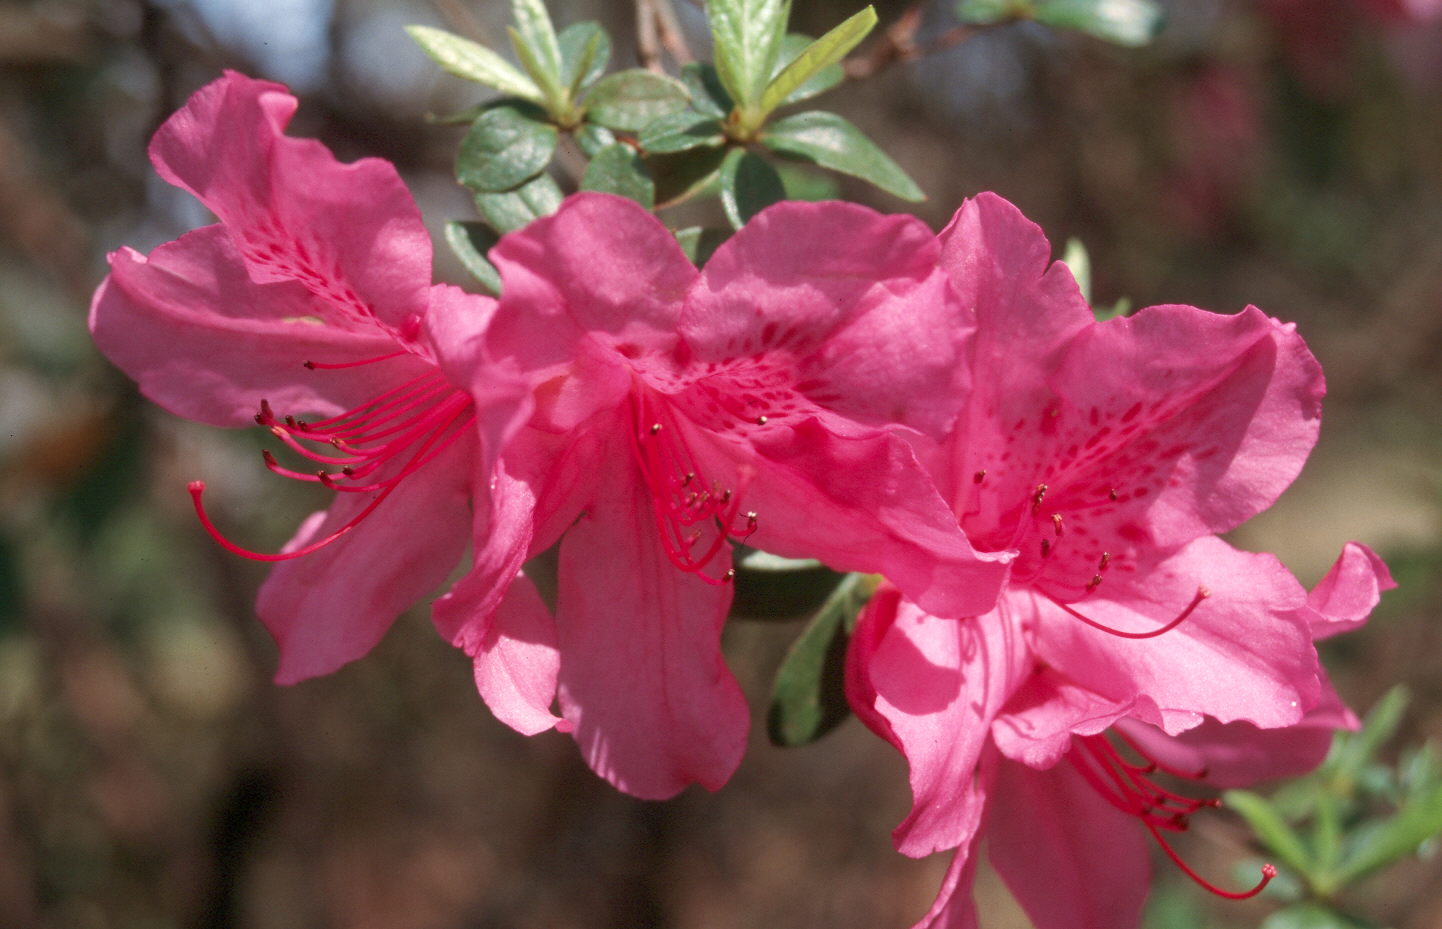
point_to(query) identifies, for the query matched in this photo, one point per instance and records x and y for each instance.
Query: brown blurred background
(1286, 153)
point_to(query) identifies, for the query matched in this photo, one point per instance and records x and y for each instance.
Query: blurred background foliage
(1286, 153)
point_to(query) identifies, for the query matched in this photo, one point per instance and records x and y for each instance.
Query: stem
(657, 30)
(898, 44)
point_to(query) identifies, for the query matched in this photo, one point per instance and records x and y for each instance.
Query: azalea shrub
(1005, 507)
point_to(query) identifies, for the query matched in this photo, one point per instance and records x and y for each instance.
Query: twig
(657, 30)
(898, 44)
(672, 39)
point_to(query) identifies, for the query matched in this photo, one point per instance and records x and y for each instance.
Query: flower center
(371, 448)
(694, 514)
(1129, 787)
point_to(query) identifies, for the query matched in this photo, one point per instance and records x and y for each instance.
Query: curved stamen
(334, 366)
(1202, 594)
(1125, 786)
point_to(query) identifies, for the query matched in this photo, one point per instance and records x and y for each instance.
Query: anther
(1056, 523)
(1037, 496)
(1046, 548)
(688, 478)
(1106, 559)
(1094, 583)
(655, 428)
(761, 420)
(729, 576)
(1113, 495)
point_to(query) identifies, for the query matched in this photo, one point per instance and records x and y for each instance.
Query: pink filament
(407, 426)
(693, 516)
(1127, 786)
(1202, 594)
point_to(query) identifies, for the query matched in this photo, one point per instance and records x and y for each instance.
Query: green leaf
(987, 12)
(629, 100)
(804, 182)
(1375, 845)
(591, 138)
(708, 96)
(617, 169)
(535, 42)
(823, 53)
(700, 244)
(681, 132)
(1080, 264)
(1125, 22)
(748, 186)
(808, 698)
(823, 80)
(513, 209)
(474, 62)
(470, 241)
(1353, 751)
(506, 146)
(1269, 827)
(1312, 916)
(748, 36)
(585, 52)
(683, 176)
(831, 142)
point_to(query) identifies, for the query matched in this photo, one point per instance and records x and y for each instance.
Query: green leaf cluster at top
(1353, 816)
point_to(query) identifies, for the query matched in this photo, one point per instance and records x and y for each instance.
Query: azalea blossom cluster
(1056, 625)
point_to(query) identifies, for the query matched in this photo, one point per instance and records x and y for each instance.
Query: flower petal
(516, 663)
(642, 682)
(937, 684)
(332, 606)
(1069, 857)
(206, 342)
(1244, 653)
(600, 270)
(1345, 597)
(1042, 716)
(349, 233)
(954, 907)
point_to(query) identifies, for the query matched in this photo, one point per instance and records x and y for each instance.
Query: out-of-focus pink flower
(761, 399)
(308, 299)
(1104, 457)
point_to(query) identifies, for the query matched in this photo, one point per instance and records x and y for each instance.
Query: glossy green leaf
(591, 138)
(1270, 828)
(474, 62)
(708, 95)
(1125, 22)
(823, 80)
(1353, 751)
(513, 209)
(681, 132)
(585, 52)
(470, 242)
(629, 100)
(534, 39)
(506, 146)
(1312, 916)
(808, 698)
(805, 182)
(1079, 263)
(748, 36)
(748, 186)
(682, 176)
(617, 169)
(831, 142)
(825, 52)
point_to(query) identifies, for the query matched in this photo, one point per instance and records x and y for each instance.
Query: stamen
(1037, 496)
(1046, 548)
(761, 420)
(1057, 525)
(324, 366)
(1126, 786)
(1202, 594)
(1112, 495)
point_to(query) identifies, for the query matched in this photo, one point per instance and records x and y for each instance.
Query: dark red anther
(1113, 495)
(979, 476)
(1057, 525)
(1046, 548)
(1037, 497)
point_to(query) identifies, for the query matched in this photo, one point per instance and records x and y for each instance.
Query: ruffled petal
(938, 683)
(1042, 716)
(857, 504)
(516, 662)
(600, 271)
(1345, 597)
(954, 907)
(1069, 858)
(206, 342)
(643, 683)
(332, 606)
(1244, 653)
(350, 234)
(848, 301)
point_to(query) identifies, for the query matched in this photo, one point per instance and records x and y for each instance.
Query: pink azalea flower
(675, 412)
(1104, 457)
(308, 298)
